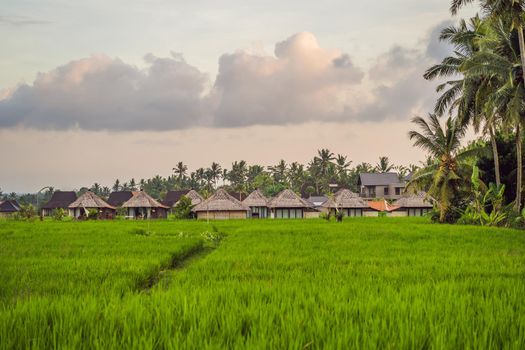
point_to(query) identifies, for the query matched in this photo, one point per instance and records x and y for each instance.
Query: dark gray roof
(379, 179)
(317, 200)
(60, 199)
(9, 206)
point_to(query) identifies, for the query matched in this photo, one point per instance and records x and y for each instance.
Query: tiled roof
(382, 206)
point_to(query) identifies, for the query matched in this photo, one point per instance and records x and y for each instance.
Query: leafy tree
(183, 208)
(384, 165)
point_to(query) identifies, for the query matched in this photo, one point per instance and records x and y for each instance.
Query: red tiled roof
(382, 206)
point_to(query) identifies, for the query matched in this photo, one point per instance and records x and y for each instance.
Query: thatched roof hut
(221, 201)
(288, 199)
(345, 198)
(141, 199)
(90, 200)
(256, 199)
(414, 201)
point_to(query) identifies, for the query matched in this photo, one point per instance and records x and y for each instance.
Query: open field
(367, 283)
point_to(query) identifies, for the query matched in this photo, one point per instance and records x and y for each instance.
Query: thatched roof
(60, 199)
(288, 199)
(195, 197)
(142, 200)
(221, 201)
(256, 199)
(414, 201)
(118, 198)
(345, 198)
(90, 200)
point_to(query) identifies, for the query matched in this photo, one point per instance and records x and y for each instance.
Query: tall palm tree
(465, 93)
(180, 171)
(510, 13)
(449, 172)
(384, 165)
(324, 159)
(215, 173)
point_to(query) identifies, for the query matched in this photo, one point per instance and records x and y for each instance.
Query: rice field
(366, 283)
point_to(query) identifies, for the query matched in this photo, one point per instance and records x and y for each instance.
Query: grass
(365, 283)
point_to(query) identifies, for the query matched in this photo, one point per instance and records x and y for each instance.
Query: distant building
(258, 204)
(59, 200)
(380, 185)
(8, 208)
(288, 205)
(173, 197)
(142, 206)
(317, 201)
(382, 206)
(117, 198)
(348, 202)
(414, 205)
(220, 206)
(89, 201)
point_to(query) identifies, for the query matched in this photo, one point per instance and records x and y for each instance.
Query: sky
(91, 91)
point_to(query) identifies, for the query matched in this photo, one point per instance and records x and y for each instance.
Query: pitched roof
(60, 199)
(379, 179)
(172, 197)
(9, 206)
(288, 199)
(116, 199)
(382, 206)
(414, 201)
(317, 200)
(345, 198)
(238, 195)
(195, 197)
(90, 200)
(256, 199)
(221, 201)
(141, 199)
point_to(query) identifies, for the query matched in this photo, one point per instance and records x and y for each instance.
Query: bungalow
(382, 206)
(317, 201)
(414, 205)
(173, 197)
(221, 205)
(348, 202)
(8, 208)
(288, 205)
(258, 204)
(143, 206)
(59, 200)
(380, 185)
(89, 200)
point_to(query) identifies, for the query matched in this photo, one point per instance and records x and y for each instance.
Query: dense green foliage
(365, 283)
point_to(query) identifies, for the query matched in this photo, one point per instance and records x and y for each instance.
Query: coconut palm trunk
(495, 156)
(519, 170)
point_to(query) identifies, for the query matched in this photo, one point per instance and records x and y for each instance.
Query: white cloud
(301, 82)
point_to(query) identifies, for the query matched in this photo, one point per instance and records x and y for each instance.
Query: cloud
(300, 82)
(101, 93)
(21, 20)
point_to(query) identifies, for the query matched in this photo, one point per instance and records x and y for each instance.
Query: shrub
(183, 208)
(326, 216)
(27, 212)
(59, 214)
(339, 216)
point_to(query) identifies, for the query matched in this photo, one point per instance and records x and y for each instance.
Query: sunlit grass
(366, 283)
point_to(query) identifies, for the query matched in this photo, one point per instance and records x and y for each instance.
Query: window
(385, 190)
(398, 191)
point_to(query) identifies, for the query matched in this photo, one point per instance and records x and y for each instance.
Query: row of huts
(222, 205)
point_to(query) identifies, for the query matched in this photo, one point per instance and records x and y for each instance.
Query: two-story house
(380, 185)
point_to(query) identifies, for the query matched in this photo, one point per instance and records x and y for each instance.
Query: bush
(59, 214)
(326, 216)
(183, 208)
(122, 211)
(27, 212)
(339, 216)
